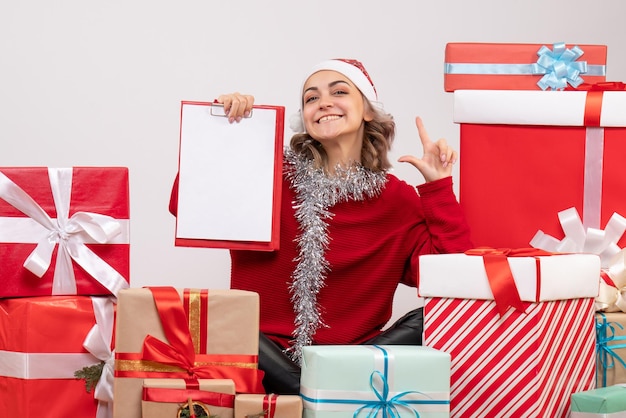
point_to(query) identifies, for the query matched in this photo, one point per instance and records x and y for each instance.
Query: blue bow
(559, 67)
(387, 406)
(605, 333)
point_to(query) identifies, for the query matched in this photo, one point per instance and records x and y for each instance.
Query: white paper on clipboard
(228, 177)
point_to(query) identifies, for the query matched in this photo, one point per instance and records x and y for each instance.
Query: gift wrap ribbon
(605, 335)
(269, 405)
(594, 151)
(179, 358)
(379, 399)
(586, 236)
(70, 233)
(500, 277)
(578, 239)
(558, 67)
(223, 400)
(63, 365)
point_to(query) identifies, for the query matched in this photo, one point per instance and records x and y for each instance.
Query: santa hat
(353, 70)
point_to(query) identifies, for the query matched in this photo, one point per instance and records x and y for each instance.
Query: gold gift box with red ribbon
(268, 406)
(167, 398)
(192, 334)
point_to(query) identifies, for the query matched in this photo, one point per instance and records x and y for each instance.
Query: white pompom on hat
(353, 70)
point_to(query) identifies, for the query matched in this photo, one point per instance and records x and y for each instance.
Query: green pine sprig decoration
(91, 375)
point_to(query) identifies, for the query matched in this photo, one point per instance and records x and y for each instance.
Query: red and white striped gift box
(519, 364)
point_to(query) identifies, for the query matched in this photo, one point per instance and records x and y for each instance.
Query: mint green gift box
(346, 381)
(608, 402)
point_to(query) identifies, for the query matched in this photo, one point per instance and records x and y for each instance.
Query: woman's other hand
(438, 158)
(236, 105)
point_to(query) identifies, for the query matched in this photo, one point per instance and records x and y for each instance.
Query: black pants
(282, 375)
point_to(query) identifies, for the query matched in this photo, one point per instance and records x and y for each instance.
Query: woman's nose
(325, 101)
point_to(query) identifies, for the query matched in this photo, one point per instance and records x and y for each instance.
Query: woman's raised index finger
(421, 130)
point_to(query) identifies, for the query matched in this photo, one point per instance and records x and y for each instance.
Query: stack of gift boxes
(65, 255)
(530, 323)
(533, 317)
(74, 336)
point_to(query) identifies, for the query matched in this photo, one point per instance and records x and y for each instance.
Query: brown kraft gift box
(190, 334)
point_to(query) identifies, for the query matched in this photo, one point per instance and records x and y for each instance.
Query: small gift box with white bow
(56, 356)
(64, 231)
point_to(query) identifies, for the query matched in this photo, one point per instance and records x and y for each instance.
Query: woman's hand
(236, 105)
(438, 158)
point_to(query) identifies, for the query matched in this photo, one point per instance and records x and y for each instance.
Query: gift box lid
(528, 107)
(605, 400)
(538, 279)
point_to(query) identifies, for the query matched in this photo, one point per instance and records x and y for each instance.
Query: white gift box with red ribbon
(526, 360)
(527, 155)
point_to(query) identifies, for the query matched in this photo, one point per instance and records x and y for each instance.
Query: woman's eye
(310, 99)
(339, 92)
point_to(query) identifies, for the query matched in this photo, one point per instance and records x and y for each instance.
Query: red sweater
(374, 246)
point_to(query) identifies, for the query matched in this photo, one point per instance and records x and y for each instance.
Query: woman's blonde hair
(378, 136)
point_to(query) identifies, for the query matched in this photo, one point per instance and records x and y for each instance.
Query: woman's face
(333, 107)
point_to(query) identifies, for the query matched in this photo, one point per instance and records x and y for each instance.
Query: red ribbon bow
(180, 350)
(499, 275)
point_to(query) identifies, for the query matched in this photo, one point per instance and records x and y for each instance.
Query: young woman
(350, 230)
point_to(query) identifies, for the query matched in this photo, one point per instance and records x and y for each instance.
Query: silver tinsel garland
(316, 192)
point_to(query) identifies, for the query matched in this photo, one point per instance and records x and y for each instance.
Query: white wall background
(100, 82)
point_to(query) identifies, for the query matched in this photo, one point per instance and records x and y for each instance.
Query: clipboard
(230, 178)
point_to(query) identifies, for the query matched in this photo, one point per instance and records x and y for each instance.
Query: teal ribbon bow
(388, 407)
(605, 334)
(559, 67)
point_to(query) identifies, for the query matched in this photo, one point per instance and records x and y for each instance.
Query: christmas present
(347, 380)
(528, 155)
(172, 398)
(50, 369)
(609, 402)
(78, 217)
(268, 406)
(611, 348)
(507, 66)
(163, 332)
(510, 319)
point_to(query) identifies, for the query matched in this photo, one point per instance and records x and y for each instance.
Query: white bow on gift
(98, 343)
(70, 233)
(578, 239)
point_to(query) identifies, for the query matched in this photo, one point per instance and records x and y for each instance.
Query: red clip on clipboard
(230, 177)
